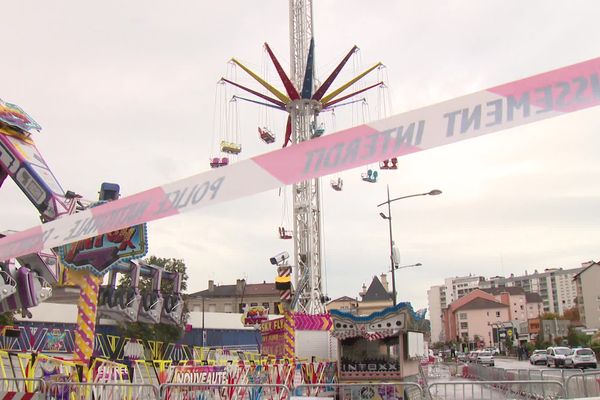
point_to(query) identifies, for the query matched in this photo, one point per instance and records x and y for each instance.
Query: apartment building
(555, 287)
(471, 318)
(439, 297)
(522, 305)
(436, 297)
(588, 294)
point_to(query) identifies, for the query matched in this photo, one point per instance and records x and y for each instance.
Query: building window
(266, 305)
(253, 304)
(212, 308)
(462, 315)
(241, 307)
(228, 308)
(464, 325)
(276, 308)
(497, 314)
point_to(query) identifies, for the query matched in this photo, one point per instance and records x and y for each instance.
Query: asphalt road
(513, 363)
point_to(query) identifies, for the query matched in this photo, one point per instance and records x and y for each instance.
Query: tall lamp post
(433, 192)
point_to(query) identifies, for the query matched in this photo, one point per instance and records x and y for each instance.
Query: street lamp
(394, 265)
(408, 266)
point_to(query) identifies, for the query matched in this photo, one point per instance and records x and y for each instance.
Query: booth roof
(378, 314)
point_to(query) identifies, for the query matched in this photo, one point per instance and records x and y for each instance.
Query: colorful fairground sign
(254, 316)
(100, 253)
(14, 116)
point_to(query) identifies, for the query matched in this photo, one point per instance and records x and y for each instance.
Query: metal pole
(203, 332)
(391, 248)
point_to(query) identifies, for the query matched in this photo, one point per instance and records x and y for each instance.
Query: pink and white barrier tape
(517, 103)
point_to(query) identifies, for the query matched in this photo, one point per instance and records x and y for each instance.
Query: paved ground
(513, 363)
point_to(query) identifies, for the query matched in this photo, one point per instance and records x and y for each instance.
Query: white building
(555, 286)
(434, 298)
(440, 296)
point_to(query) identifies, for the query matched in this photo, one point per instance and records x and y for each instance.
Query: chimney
(363, 291)
(384, 282)
(211, 286)
(239, 285)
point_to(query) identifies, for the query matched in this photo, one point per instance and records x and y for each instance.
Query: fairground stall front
(383, 346)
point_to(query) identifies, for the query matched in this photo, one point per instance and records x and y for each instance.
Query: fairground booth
(385, 345)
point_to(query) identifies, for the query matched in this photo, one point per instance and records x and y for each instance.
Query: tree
(572, 314)
(7, 318)
(159, 332)
(549, 316)
(577, 338)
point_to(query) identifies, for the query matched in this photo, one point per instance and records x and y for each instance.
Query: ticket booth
(376, 347)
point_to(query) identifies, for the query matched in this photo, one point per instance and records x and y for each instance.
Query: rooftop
(241, 288)
(479, 303)
(376, 292)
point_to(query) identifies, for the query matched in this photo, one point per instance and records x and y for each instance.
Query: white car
(556, 356)
(538, 357)
(485, 358)
(581, 358)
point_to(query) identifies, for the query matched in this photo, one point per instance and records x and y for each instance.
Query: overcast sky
(125, 93)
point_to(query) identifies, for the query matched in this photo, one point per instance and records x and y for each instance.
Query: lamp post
(433, 192)
(203, 330)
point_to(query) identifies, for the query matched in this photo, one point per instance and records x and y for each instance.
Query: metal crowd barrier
(491, 390)
(21, 385)
(559, 374)
(360, 391)
(584, 384)
(202, 391)
(101, 391)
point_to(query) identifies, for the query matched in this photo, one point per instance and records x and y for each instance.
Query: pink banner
(521, 102)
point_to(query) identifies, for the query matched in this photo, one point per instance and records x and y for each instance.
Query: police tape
(542, 96)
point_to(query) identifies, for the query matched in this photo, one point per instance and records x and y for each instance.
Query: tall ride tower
(306, 195)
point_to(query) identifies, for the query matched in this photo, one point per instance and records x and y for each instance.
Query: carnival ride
(28, 279)
(303, 99)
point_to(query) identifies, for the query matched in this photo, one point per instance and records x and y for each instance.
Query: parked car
(472, 356)
(493, 350)
(581, 358)
(460, 356)
(538, 357)
(556, 356)
(485, 358)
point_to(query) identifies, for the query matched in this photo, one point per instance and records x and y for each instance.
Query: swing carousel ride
(304, 100)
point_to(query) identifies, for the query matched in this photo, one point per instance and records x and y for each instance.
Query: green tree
(7, 318)
(160, 332)
(577, 338)
(550, 316)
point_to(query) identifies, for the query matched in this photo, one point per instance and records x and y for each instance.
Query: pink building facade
(471, 318)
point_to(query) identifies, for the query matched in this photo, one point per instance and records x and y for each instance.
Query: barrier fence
(177, 391)
(585, 384)
(491, 390)
(100, 391)
(358, 391)
(576, 385)
(21, 385)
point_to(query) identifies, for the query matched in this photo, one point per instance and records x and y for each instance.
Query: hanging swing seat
(231, 148)
(336, 184)
(217, 162)
(370, 176)
(266, 135)
(392, 163)
(284, 234)
(316, 131)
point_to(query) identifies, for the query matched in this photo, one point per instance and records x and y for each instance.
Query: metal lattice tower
(306, 195)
